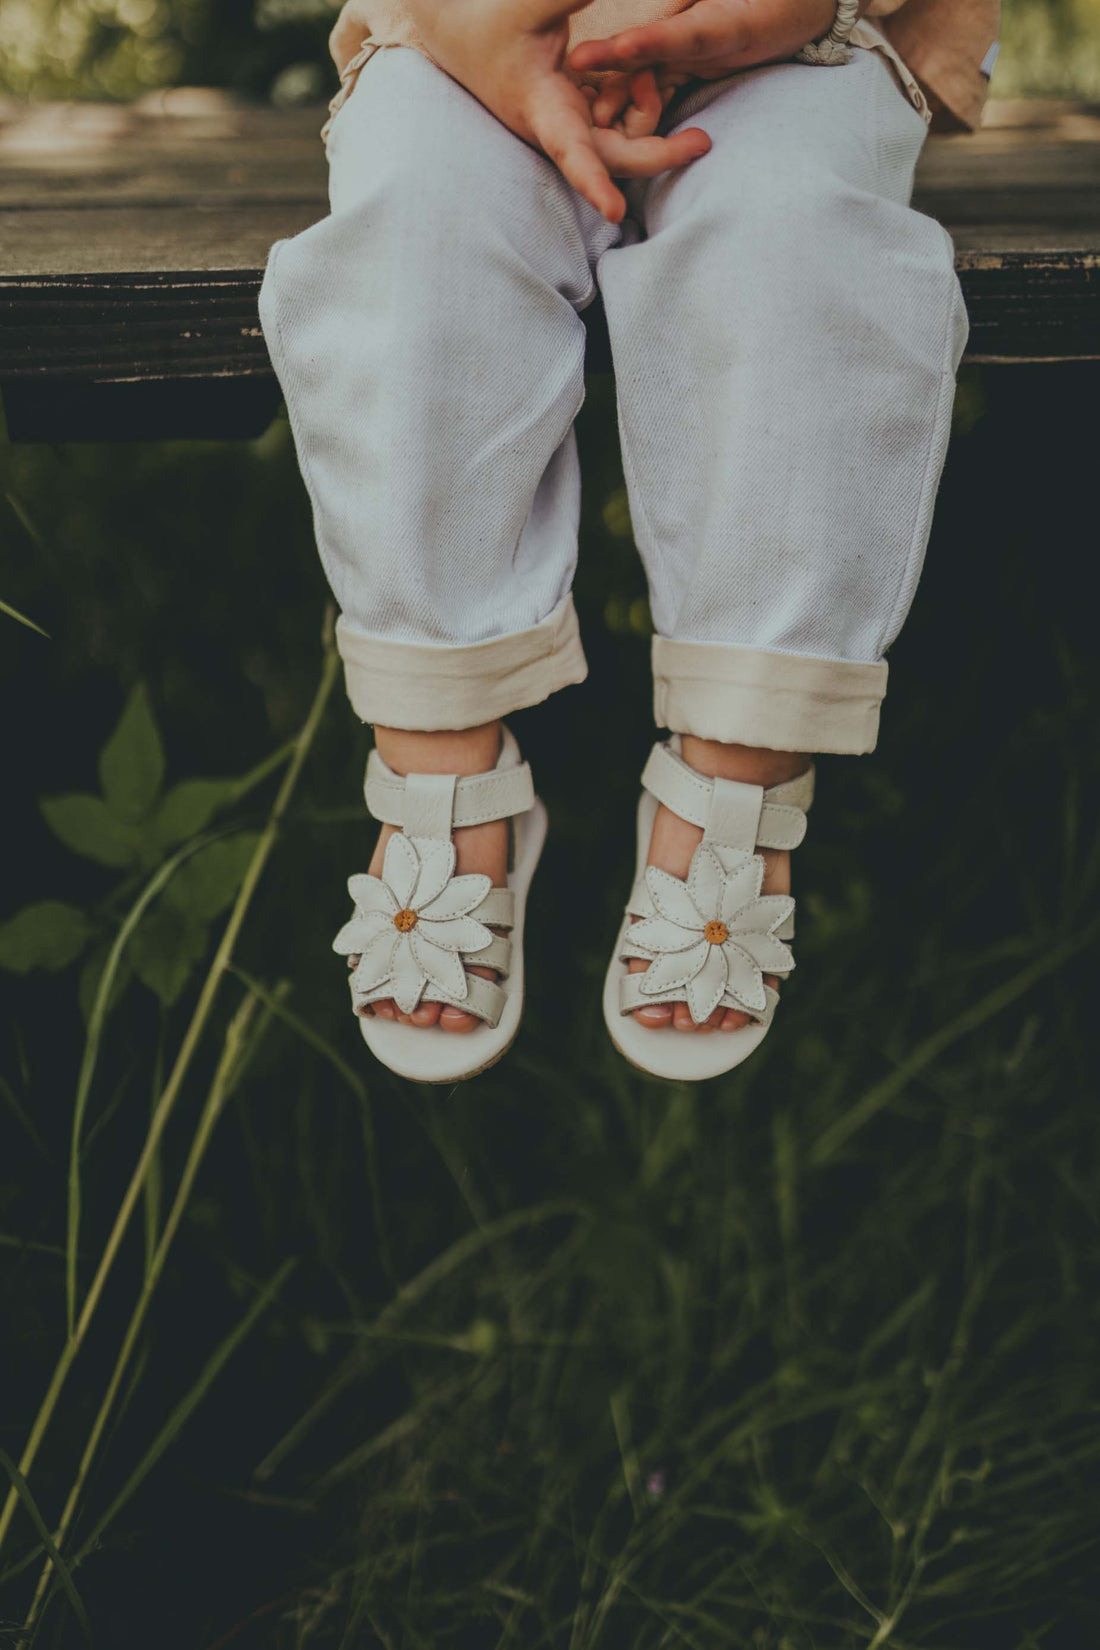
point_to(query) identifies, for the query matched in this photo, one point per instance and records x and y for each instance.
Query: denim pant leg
(428, 340)
(785, 340)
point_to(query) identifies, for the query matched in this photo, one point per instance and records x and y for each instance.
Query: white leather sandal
(710, 939)
(417, 927)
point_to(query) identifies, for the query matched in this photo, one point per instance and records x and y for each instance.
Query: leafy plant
(131, 827)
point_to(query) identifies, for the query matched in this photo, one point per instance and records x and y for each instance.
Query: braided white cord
(833, 47)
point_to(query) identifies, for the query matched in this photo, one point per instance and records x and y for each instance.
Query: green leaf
(49, 935)
(87, 826)
(131, 763)
(209, 882)
(189, 807)
(165, 948)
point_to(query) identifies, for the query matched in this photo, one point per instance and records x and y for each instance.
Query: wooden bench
(133, 240)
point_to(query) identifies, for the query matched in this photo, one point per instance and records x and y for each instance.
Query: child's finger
(561, 128)
(647, 104)
(610, 102)
(644, 157)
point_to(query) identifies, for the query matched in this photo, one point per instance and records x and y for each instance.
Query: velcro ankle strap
(474, 800)
(732, 814)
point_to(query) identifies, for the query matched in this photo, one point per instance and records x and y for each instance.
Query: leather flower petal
(673, 970)
(745, 981)
(658, 935)
(376, 961)
(371, 894)
(705, 989)
(761, 916)
(357, 934)
(437, 863)
(407, 977)
(741, 888)
(705, 881)
(770, 955)
(461, 896)
(400, 869)
(672, 899)
(443, 969)
(456, 934)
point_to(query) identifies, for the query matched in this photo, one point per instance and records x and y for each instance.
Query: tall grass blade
(228, 1065)
(187, 1406)
(21, 1488)
(179, 1071)
(21, 618)
(837, 1135)
(96, 1024)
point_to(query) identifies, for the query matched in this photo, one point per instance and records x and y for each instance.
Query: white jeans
(785, 332)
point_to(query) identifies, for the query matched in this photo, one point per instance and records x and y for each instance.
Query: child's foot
(479, 848)
(674, 841)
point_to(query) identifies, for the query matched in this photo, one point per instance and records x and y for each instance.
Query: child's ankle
(752, 764)
(462, 750)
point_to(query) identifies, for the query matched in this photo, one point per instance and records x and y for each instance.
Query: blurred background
(275, 49)
(804, 1358)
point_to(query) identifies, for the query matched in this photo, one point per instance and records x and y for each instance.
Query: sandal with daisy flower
(709, 938)
(418, 927)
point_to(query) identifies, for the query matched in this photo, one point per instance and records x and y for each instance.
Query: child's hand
(633, 103)
(712, 38)
(511, 55)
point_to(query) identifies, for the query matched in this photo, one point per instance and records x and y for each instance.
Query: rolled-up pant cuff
(781, 701)
(428, 687)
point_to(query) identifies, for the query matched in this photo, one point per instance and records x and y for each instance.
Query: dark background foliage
(802, 1359)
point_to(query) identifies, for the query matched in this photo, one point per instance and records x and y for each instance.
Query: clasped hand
(513, 56)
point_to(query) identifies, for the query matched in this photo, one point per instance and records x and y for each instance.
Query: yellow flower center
(716, 933)
(405, 920)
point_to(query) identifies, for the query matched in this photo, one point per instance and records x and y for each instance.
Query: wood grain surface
(133, 238)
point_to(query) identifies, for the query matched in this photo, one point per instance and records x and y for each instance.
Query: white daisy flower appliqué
(412, 924)
(713, 935)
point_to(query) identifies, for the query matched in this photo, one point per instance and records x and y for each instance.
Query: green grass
(805, 1358)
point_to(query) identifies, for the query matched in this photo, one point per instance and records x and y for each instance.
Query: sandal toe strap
(632, 997)
(497, 909)
(497, 955)
(484, 998)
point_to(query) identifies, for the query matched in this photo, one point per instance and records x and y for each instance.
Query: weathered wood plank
(133, 239)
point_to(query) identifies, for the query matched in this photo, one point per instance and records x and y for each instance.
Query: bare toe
(657, 1014)
(426, 1015)
(386, 1009)
(681, 1017)
(455, 1019)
